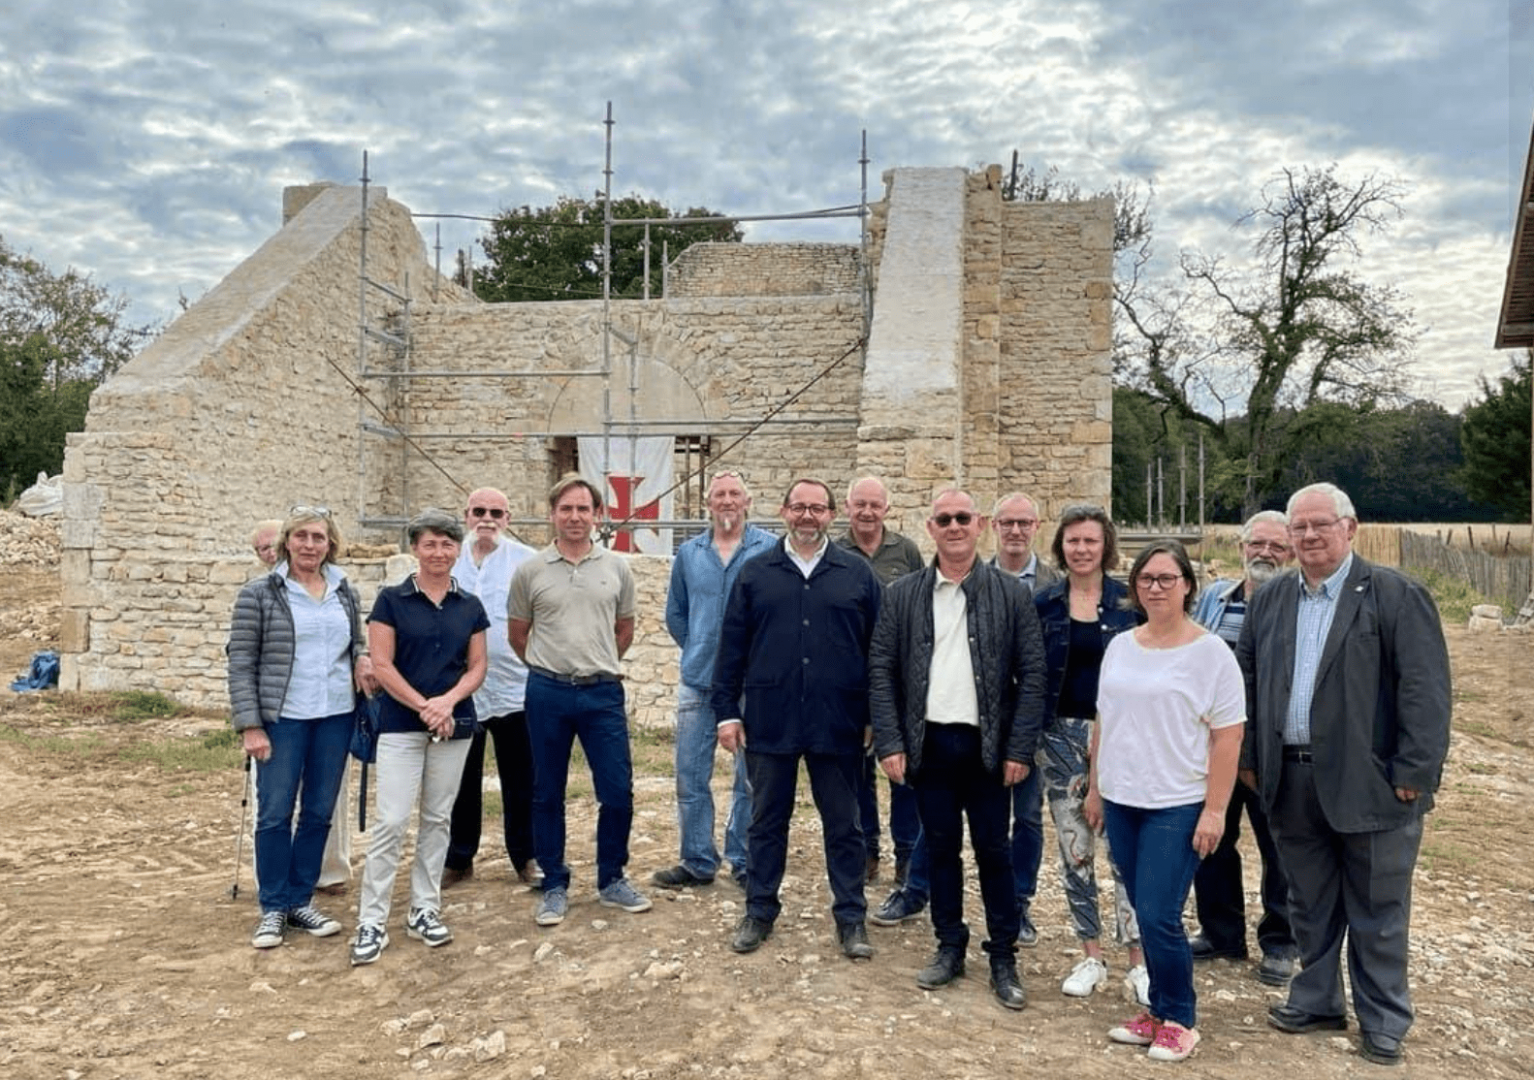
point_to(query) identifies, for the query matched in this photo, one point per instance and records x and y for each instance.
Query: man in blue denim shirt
(702, 574)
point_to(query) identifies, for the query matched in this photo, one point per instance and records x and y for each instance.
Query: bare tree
(1301, 328)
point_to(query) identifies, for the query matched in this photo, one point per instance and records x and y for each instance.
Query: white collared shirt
(806, 566)
(951, 697)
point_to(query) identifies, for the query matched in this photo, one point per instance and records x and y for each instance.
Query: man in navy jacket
(791, 684)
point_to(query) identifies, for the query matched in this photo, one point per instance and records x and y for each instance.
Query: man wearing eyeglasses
(485, 567)
(956, 678)
(892, 556)
(1219, 895)
(791, 685)
(1348, 702)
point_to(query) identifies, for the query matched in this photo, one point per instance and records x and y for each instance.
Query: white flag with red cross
(637, 487)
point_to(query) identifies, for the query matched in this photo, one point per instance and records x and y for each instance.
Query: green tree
(35, 412)
(83, 323)
(1495, 437)
(555, 252)
(1301, 329)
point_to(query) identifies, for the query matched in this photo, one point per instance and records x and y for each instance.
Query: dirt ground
(123, 955)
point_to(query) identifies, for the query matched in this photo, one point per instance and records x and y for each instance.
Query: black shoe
(1005, 984)
(896, 909)
(1294, 1021)
(871, 869)
(1275, 970)
(678, 877)
(452, 875)
(1204, 949)
(738, 875)
(902, 869)
(947, 965)
(1379, 1049)
(750, 934)
(854, 939)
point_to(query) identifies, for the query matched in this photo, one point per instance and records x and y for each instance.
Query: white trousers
(337, 867)
(409, 765)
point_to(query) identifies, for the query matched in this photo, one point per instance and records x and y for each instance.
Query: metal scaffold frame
(401, 377)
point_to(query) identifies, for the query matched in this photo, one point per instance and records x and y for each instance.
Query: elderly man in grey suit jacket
(1347, 682)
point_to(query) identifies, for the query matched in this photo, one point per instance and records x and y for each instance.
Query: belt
(1299, 754)
(576, 680)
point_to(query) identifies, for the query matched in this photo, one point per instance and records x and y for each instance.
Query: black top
(1078, 694)
(431, 649)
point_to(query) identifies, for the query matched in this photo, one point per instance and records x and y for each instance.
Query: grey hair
(1277, 517)
(1342, 506)
(884, 488)
(733, 474)
(438, 521)
(1013, 497)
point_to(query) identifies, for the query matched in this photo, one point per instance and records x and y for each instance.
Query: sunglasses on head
(942, 521)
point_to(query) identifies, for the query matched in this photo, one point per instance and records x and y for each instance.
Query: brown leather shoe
(338, 889)
(451, 877)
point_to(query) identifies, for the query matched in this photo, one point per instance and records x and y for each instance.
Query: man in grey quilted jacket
(956, 683)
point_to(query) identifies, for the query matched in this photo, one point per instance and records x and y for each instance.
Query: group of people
(981, 689)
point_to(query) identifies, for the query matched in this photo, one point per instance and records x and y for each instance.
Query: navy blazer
(796, 651)
(1379, 716)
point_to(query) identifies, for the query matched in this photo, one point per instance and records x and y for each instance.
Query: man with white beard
(1218, 894)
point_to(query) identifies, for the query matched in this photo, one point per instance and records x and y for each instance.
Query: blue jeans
(1027, 839)
(696, 741)
(558, 714)
(1153, 850)
(307, 763)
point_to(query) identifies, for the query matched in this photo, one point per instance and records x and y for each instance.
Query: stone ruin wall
(234, 414)
(721, 269)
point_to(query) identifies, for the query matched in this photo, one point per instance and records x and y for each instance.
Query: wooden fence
(1504, 581)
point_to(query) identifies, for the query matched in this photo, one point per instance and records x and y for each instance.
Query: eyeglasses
(1157, 581)
(316, 511)
(799, 509)
(1303, 528)
(1267, 545)
(942, 521)
(494, 512)
(1008, 524)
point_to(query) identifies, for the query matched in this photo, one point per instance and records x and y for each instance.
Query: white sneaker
(1137, 984)
(1085, 977)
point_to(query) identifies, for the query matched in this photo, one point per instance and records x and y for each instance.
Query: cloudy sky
(148, 141)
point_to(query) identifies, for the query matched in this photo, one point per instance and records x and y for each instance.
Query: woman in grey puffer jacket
(296, 654)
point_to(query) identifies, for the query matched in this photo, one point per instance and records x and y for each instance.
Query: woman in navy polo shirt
(427, 640)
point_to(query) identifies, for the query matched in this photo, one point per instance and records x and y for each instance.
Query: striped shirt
(1313, 622)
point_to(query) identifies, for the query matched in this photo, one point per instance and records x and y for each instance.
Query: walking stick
(239, 837)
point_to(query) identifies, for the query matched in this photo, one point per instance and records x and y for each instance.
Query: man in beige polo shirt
(570, 617)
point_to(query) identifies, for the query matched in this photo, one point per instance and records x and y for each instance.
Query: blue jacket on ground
(796, 649)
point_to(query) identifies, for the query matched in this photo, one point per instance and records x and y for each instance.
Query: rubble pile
(28, 543)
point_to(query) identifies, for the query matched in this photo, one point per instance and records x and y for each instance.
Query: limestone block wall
(1055, 418)
(233, 414)
(698, 361)
(720, 269)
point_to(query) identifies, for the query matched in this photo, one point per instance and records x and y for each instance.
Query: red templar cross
(624, 488)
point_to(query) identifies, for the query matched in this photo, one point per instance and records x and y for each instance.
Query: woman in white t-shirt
(1171, 707)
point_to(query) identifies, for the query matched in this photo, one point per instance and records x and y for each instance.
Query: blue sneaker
(552, 907)
(896, 909)
(620, 894)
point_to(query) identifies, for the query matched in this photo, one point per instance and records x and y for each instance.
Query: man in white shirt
(484, 568)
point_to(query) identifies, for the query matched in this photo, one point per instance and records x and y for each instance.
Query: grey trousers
(1353, 886)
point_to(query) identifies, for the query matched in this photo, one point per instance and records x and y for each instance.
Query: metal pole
(647, 262)
(1160, 492)
(436, 282)
(362, 342)
(864, 270)
(1182, 487)
(1201, 483)
(1150, 502)
(607, 324)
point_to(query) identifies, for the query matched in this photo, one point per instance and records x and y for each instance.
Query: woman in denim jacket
(1080, 614)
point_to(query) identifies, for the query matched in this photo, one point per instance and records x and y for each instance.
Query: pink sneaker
(1173, 1042)
(1141, 1031)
